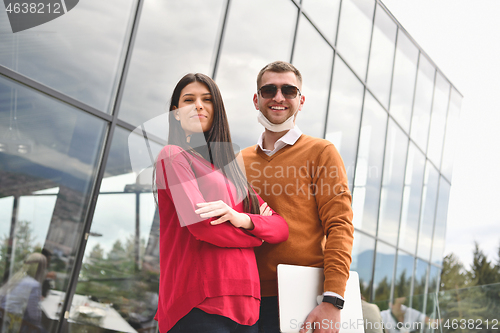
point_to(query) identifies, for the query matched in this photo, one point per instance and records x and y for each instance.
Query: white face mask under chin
(284, 126)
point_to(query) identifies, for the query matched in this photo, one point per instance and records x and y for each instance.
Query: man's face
(278, 109)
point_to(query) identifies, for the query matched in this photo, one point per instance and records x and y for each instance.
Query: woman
(209, 220)
(21, 295)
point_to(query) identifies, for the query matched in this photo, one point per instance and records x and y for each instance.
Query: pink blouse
(211, 267)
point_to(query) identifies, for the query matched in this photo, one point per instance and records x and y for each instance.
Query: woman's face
(196, 111)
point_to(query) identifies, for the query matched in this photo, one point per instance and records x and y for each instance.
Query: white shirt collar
(288, 139)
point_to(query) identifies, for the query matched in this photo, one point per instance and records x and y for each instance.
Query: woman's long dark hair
(220, 155)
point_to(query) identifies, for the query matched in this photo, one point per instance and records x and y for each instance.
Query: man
(371, 317)
(304, 180)
(400, 318)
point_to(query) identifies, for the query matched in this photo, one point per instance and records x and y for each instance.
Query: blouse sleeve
(174, 171)
(272, 229)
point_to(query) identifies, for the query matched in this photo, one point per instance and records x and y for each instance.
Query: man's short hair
(279, 67)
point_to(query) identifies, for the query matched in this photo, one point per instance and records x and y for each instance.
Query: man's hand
(265, 210)
(324, 317)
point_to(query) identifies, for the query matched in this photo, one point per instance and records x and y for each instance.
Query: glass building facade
(79, 95)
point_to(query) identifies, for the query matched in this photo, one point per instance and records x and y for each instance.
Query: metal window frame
(73, 280)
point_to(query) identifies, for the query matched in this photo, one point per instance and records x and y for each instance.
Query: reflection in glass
(38, 210)
(419, 284)
(171, 41)
(21, 295)
(404, 273)
(382, 56)
(241, 58)
(392, 184)
(344, 114)
(315, 75)
(79, 54)
(403, 83)
(431, 308)
(429, 198)
(434, 276)
(451, 134)
(438, 119)
(473, 302)
(384, 268)
(121, 264)
(423, 103)
(354, 34)
(412, 196)
(440, 225)
(48, 158)
(432, 311)
(369, 166)
(6, 207)
(325, 16)
(362, 261)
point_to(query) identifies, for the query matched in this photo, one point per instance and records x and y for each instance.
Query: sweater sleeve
(334, 207)
(174, 171)
(272, 229)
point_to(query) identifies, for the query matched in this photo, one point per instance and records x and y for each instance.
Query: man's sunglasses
(270, 90)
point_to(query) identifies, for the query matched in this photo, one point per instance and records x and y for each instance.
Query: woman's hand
(225, 213)
(265, 210)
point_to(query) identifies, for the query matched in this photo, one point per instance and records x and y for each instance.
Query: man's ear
(301, 103)
(256, 101)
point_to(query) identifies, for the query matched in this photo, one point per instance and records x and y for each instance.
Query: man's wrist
(331, 293)
(337, 302)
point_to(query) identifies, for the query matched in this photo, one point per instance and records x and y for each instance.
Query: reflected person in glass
(20, 297)
(210, 220)
(402, 319)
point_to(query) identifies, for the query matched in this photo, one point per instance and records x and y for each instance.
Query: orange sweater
(307, 185)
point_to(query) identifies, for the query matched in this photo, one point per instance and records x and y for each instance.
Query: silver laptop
(300, 290)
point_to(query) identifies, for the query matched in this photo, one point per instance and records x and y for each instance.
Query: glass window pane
(242, 58)
(174, 38)
(419, 284)
(384, 269)
(382, 56)
(440, 225)
(48, 159)
(324, 14)
(6, 207)
(431, 308)
(429, 198)
(438, 119)
(315, 76)
(38, 209)
(403, 82)
(412, 196)
(362, 261)
(392, 183)
(404, 273)
(369, 166)
(434, 276)
(423, 102)
(433, 311)
(451, 134)
(356, 17)
(344, 114)
(121, 263)
(79, 54)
